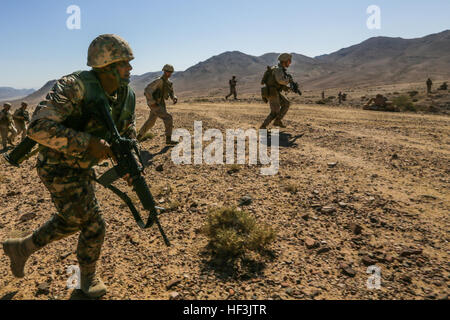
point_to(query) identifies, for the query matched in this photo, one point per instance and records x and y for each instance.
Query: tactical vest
(160, 95)
(273, 87)
(121, 110)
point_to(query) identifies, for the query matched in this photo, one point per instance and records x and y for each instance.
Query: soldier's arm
(281, 77)
(150, 89)
(46, 126)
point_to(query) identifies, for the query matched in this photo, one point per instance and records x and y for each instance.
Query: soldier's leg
(274, 111)
(285, 104)
(24, 131)
(168, 123)
(148, 124)
(4, 134)
(235, 94)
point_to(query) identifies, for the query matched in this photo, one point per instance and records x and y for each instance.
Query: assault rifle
(294, 85)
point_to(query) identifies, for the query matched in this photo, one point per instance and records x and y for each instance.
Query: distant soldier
(233, 91)
(323, 95)
(157, 93)
(7, 125)
(340, 97)
(21, 118)
(277, 80)
(443, 86)
(379, 103)
(429, 84)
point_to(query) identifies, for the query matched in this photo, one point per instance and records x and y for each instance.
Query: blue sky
(36, 45)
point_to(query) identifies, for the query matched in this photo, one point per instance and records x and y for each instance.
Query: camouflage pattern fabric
(21, 116)
(156, 93)
(65, 168)
(72, 192)
(64, 145)
(6, 126)
(276, 82)
(233, 91)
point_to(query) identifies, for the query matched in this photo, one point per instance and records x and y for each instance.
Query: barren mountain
(11, 93)
(376, 61)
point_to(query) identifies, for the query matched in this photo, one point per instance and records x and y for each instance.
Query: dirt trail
(384, 175)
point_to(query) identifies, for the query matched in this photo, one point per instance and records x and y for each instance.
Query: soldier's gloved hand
(175, 100)
(99, 149)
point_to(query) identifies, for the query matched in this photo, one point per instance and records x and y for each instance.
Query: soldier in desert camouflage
(73, 139)
(429, 84)
(6, 126)
(157, 93)
(21, 118)
(233, 92)
(277, 80)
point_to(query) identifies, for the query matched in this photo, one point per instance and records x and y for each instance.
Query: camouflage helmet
(24, 104)
(284, 57)
(107, 49)
(7, 104)
(168, 68)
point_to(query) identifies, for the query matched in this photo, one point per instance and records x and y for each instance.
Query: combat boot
(169, 141)
(18, 251)
(91, 284)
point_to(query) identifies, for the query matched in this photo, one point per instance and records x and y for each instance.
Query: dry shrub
(233, 234)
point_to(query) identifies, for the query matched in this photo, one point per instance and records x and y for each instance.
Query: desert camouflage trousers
(21, 127)
(72, 192)
(159, 112)
(233, 92)
(279, 106)
(7, 134)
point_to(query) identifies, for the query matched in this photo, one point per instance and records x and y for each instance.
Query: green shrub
(404, 103)
(233, 234)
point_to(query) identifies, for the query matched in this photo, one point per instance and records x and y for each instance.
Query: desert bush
(292, 188)
(404, 103)
(232, 168)
(413, 93)
(233, 234)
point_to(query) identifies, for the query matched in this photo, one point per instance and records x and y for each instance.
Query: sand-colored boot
(91, 284)
(18, 251)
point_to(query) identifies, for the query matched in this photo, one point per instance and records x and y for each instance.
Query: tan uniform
(277, 82)
(6, 126)
(156, 93)
(233, 92)
(21, 117)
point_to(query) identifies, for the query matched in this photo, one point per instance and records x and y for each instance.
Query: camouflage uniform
(156, 93)
(429, 84)
(6, 126)
(233, 91)
(276, 81)
(66, 169)
(21, 117)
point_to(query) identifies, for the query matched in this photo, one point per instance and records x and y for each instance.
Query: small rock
(289, 291)
(311, 243)
(173, 283)
(65, 255)
(442, 296)
(231, 292)
(332, 164)
(368, 261)
(347, 270)
(342, 204)
(304, 217)
(174, 295)
(284, 284)
(245, 201)
(43, 288)
(159, 168)
(410, 251)
(327, 209)
(406, 278)
(132, 239)
(323, 250)
(27, 216)
(316, 205)
(355, 228)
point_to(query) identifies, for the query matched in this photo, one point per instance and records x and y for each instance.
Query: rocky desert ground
(354, 189)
